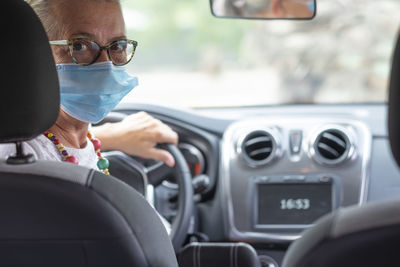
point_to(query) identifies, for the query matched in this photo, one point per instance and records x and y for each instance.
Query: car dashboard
(274, 170)
(278, 175)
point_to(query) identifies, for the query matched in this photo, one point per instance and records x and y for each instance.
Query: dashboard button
(295, 139)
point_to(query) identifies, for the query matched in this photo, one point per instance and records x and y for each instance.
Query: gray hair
(43, 9)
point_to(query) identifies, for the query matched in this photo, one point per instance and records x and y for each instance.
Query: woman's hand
(138, 134)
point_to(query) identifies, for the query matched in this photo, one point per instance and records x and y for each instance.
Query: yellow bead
(50, 135)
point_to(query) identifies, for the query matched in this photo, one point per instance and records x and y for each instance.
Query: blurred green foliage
(178, 30)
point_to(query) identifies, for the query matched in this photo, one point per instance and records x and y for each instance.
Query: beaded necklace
(102, 163)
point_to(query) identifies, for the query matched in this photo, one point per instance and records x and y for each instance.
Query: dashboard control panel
(278, 175)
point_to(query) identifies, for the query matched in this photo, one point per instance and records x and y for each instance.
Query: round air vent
(258, 147)
(332, 146)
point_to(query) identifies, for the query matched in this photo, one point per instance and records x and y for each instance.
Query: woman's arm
(137, 134)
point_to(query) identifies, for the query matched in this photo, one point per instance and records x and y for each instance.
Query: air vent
(258, 148)
(332, 146)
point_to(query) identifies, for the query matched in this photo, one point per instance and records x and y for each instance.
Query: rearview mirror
(264, 9)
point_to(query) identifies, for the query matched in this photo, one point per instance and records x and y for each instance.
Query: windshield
(188, 58)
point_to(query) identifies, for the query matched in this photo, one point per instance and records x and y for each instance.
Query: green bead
(103, 164)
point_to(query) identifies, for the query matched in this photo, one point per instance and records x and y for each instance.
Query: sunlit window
(186, 57)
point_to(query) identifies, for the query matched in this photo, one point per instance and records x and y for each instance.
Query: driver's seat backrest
(366, 236)
(53, 213)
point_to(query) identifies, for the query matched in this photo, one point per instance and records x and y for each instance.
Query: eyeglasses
(85, 52)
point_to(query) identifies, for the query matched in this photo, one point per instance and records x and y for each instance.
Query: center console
(279, 175)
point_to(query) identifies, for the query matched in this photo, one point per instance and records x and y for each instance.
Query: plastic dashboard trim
(226, 198)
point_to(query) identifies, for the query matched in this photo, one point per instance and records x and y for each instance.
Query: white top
(42, 148)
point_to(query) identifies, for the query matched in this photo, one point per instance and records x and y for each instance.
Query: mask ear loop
(70, 46)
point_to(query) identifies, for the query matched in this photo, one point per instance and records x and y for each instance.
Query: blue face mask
(89, 93)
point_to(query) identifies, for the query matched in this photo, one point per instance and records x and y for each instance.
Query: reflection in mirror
(264, 9)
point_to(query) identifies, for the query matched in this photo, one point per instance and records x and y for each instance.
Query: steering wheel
(120, 164)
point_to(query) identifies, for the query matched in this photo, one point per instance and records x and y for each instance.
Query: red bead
(56, 142)
(72, 159)
(96, 143)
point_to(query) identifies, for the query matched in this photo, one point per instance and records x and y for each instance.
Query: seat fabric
(84, 218)
(354, 236)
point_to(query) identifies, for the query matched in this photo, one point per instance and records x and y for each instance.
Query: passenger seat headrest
(394, 104)
(30, 98)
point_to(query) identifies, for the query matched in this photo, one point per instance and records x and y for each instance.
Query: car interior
(269, 186)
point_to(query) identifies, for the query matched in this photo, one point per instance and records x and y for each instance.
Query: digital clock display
(296, 204)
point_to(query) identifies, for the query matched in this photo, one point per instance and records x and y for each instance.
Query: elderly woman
(90, 50)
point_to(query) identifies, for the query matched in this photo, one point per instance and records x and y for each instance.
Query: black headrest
(29, 93)
(394, 104)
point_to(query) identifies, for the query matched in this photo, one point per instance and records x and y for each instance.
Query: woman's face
(99, 21)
